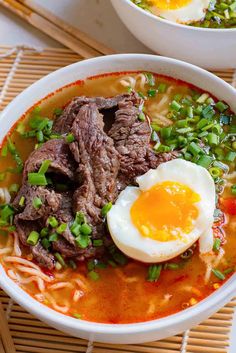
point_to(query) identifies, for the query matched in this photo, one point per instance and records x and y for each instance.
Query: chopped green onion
(37, 109)
(44, 166)
(228, 271)
(218, 274)
(215, 172)
(22, 201)
(4, 150)
(60, 259)
(58, 266)
(213, 139)
(70, 138)
(208, 112)
(172, 266)
(230, 156)
(175, 106)
(85, 229)
(93, 275)
(52, 221)
(154, 272)
(151, 92)
(53, 237)
(203, 98)
(82, 241)
(77, 316)
(141, 116)
(233, 189)
(97, 242)
(166, 132)
(37, 179)
(58, 111)
(106, 208)
(37, 202)
(46, 243)
(221, 106)
(44, 232)
(62, 227)
(75, 229)
(80, 218)
(162, 88)
(14, 187)
(205, 161)
(150, 79)
(224, 119)
(40, 136)
(194, 149)
(6, 212)
(33, 238)
(120, 258)
(217, 244)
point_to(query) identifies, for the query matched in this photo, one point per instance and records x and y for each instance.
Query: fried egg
(181, 11)
(171, 209)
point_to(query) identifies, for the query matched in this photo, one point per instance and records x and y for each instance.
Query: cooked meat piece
(51, 202)
(57, 151)
(64, 122)
(43, 257)
(24, 228)
(98, 163)
(132, 140)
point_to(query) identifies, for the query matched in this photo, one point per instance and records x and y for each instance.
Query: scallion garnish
(218, 274)
(33, 238)
(37, 202)
(154, 272)
(106, 208)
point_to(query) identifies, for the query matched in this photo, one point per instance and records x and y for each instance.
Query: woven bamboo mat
(20, 331)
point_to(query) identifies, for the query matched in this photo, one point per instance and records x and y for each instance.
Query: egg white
(194, 11)
(127, 237)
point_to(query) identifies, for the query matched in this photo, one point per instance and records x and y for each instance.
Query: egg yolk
(166, 211)
(170, 4)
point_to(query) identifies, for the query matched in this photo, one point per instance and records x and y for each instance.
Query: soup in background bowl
(68, 157)
(201, 43)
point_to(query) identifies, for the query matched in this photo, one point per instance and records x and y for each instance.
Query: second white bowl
(206, 47)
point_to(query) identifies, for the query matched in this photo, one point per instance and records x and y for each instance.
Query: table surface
(93, 17)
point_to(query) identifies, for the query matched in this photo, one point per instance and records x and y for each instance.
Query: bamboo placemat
(20, 331)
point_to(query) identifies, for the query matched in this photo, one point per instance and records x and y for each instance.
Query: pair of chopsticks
(6, 342)
(56, 28)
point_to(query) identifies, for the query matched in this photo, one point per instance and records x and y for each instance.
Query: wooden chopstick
(75, 32)
(5, 333)
(50, 29)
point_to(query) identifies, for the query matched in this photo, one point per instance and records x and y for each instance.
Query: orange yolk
(166, 211)
(170, 4)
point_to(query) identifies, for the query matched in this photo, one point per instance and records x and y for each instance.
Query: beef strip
(43, 257)
(132, 140)
(57, 151)
(50, 199)
(64, 122)
(98, 165)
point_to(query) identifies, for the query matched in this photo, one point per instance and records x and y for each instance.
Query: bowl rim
(55, 318)
(175, 24)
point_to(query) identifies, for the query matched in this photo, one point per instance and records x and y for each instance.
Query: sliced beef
(98, 165)
(132, 140)
(42, 256)
(51, 202)
(63, 124)
(57, 151)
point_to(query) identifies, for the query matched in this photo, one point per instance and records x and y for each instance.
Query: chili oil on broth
(122, 294)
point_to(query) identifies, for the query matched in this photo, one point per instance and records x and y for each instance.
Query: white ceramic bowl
(208, 48)
(124, 333)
